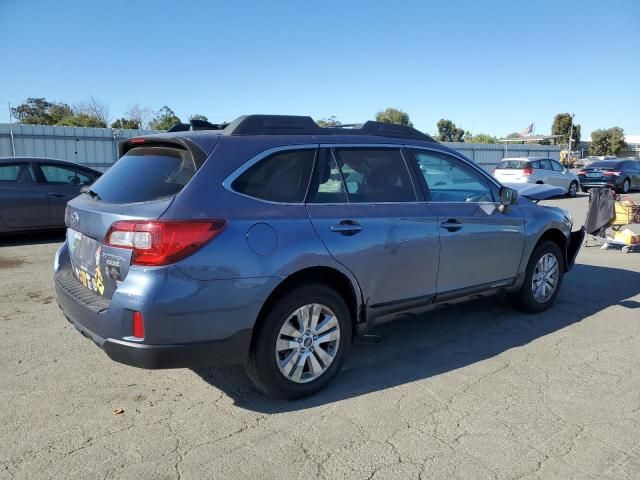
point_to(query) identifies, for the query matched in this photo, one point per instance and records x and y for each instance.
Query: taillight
(611, 173)
(162, 242)
(138, 325)
(582, 172)
(527, 171)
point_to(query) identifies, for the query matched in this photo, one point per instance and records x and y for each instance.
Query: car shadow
(444, 340)
(32, 238)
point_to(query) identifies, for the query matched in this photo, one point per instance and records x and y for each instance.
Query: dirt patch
(33, 295)
(47, 300)
(11, 262)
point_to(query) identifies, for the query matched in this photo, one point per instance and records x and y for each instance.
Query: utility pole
(13, 142)
(571, 132)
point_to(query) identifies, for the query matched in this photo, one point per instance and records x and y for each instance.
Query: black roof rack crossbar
(302, 125)
(197, 125)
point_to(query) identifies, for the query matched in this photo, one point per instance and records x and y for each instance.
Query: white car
(537, 170)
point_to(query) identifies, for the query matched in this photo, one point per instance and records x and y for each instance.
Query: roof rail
(302, 125)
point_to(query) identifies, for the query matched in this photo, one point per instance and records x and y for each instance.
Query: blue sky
(492, 66)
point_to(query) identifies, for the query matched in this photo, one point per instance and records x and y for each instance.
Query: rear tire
(530, 297)
(626, 186)
(286, 361)
(573, 189)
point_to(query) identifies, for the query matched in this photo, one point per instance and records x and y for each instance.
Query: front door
(61, 183)
(363, 205)
(480, 247)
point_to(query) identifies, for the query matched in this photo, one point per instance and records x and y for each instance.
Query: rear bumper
(230, 351)
(589, 183)
(188, 323)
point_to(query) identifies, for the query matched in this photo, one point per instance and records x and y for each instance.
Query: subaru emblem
(75, 219)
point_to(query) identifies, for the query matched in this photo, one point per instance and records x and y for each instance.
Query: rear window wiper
(90, 192)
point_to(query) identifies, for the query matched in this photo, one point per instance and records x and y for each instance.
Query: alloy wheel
(545, 278)
(307, 343)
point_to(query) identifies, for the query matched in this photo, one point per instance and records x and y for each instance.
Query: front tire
(542, 281)
(573, 190)
(301, 343)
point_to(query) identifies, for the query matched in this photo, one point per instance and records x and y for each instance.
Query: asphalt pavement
(475, 390)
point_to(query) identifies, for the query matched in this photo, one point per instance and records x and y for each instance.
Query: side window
(281, 177)
(451, 180)
(545, 164)
(536, 165)
(327, 185)
(16, 173)
(375, 175)
(556, 166)
(58, 175)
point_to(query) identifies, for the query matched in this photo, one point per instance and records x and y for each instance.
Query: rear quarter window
(144, 174)
(282, 177)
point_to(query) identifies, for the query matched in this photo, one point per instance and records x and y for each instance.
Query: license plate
(594, 175)
(85, 260)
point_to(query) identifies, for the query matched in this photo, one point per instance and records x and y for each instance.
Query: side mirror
(508, 196)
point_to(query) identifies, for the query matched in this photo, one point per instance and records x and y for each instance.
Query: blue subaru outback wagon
(273, 242)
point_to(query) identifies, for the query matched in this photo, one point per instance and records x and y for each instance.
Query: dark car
(274, 242)
(34, 192)
(621, 175)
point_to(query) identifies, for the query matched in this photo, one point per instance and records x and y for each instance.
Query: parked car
(34, 192)
(621, 175)
(274, 242)
(537, 170)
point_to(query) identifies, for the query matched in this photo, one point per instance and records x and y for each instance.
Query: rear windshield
(605, 164)
(513, 164)
(145, 174)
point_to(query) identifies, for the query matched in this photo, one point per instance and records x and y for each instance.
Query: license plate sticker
(85, 260)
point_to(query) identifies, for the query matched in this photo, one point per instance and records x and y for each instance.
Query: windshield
(145, 174)
(513, 164)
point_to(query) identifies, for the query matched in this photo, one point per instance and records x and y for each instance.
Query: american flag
(528, 130)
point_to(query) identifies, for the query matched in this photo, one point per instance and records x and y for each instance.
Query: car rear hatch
(141, 185)
(596, 173)
(512, 170)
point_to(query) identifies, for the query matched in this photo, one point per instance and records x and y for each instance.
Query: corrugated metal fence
(489, 155)
(94, 147)
(98, 147)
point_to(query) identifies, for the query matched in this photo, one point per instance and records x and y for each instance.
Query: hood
(534, 191)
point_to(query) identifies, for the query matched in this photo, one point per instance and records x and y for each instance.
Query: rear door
(62, 183)
(558, 176)
(23, 203)
(363, 205)
(479, 245)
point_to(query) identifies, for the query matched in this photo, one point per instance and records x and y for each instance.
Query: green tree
(393, 115)
(448, 132)
(562, 126)
(607, 142)
(39, 111)
(514, 135)
(124, 122)
(481, 138)
(83, 120)
(164, 119)
(331, 121)
(199, 116)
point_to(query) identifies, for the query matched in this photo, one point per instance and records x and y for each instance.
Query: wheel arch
(555, 235)
(329, 276)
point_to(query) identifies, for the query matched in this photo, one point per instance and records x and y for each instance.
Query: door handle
(451, 225)
(57, 195)
(347, 227)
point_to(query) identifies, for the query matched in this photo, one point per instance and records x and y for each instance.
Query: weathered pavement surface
(473, 391)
